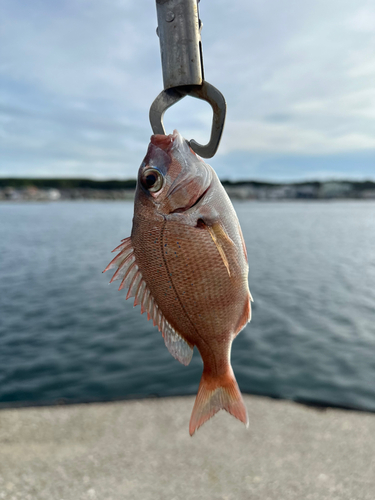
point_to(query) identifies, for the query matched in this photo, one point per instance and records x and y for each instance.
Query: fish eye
(152, 180)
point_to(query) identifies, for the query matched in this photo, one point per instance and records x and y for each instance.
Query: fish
(186, 265)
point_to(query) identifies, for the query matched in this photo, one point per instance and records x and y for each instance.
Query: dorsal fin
(128, 271)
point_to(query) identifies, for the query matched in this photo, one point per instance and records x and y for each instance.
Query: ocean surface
(66, 336)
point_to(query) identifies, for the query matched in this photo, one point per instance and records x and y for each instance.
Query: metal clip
(181, 54)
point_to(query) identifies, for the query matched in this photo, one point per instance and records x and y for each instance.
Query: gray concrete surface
(142, 450)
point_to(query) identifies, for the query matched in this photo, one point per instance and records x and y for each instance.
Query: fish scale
(186, 265)
(192, 276)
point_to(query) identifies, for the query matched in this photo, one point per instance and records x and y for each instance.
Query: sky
(77, 78)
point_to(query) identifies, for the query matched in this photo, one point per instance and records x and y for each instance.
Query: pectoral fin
(220, 238)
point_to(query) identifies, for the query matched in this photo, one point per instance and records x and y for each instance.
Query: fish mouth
(166, 142)
(189, 207)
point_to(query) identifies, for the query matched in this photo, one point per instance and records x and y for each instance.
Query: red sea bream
(186, 265)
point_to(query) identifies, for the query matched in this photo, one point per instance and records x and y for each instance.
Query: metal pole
(180, 42)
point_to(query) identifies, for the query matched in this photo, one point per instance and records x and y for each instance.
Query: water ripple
(64, 334)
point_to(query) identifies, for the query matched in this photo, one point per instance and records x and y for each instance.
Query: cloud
(78, 78)
(290, 138)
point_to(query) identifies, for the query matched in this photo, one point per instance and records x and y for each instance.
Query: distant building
(335, 189)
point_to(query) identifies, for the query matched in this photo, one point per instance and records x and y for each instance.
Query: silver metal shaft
(180, 42)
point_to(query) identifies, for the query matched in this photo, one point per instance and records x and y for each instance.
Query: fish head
(172, 178)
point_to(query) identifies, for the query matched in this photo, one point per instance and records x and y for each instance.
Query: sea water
(65, 335)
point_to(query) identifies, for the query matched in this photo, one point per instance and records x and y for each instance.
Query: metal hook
(206, 92)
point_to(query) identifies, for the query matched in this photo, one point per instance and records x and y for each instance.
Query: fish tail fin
(217, 393)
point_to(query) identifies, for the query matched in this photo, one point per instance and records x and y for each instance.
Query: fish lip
(197, 203)
(167, 142)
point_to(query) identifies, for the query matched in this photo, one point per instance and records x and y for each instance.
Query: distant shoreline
(17, 189)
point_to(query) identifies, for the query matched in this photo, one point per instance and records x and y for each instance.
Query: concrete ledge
(142, 450)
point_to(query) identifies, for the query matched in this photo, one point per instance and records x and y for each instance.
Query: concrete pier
(142, 450)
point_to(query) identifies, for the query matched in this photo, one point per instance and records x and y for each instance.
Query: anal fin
(176, 345)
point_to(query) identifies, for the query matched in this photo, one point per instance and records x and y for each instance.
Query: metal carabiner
(179, 29)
